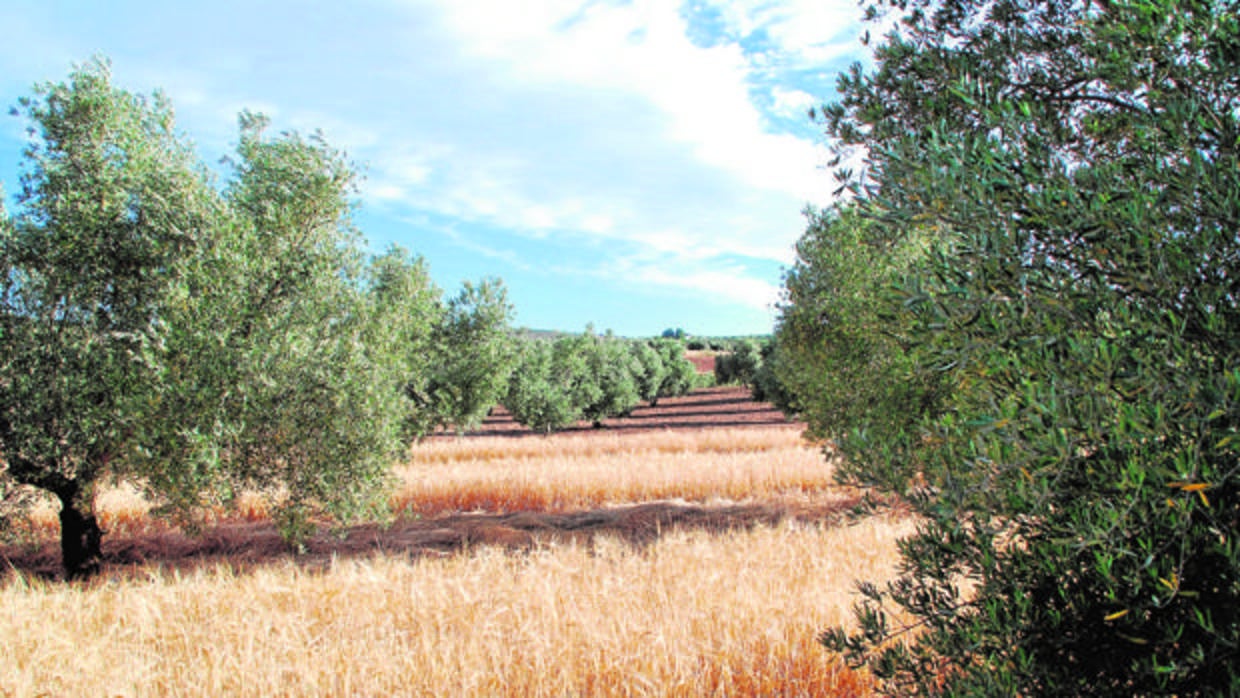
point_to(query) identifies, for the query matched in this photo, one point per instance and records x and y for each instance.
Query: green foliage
(702, 380)
(197, 343)
(650, 370)
(576, 371)
(471, 357)
(766, 385)
(293, 386)
(740, 365)
(754, 365)
(1052, 195)
(558, 382)
(615, 368)
(844, 341)
(456, 356)
(680, 376)
(538, 396)
(408, 307)
(113, 206)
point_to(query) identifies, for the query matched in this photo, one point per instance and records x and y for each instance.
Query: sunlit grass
(534, 473)
(585, 471)
(122, 512)
(693, 614)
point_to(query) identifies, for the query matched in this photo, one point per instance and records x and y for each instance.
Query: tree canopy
(198, 342)
(1040, 321)
(472, 356)
(112, 210)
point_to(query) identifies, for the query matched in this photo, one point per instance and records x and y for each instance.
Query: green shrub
(740, 365)
(471, 356)
(766, 386)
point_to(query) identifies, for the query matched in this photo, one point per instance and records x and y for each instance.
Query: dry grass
(443, 449)
(585, 471)
(122, 512)
(694, 614)
(534, 473)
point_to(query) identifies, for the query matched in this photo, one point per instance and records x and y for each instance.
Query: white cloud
(399, 172)
(657, 144)
(808, 32)
(792, 103)
(643, 50)
(385, 192)
(347, 134)
(732, 285)
(467, 242)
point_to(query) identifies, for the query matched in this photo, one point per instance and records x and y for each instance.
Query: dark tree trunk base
(80, 540)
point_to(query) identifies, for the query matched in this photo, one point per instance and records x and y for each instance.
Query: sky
(635, 166)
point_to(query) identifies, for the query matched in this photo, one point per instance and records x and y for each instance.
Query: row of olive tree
(557, 383)
(202, 341)
(1027, 319)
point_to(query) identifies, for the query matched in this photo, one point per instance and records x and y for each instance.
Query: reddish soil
(702, 362)
(247, 544)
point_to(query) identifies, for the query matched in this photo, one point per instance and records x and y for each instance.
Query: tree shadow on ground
(244, 546)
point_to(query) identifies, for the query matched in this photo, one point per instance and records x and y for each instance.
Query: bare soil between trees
(247, 544)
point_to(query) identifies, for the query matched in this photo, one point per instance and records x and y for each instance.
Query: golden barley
(584, 471)
(692, 614)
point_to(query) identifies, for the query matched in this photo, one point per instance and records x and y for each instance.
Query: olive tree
(739, 365)
(1070, 334)
(112, 207)
(304, 375)
(614, 367)
(767, 387)
(650, 370)
(680, 373)
(575, 372)
(538, 390)
(409, 301)
(472, 355)
(845, 352)
(559, 382)
(195, 342)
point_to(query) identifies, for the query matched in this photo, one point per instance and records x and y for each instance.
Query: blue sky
(635, 165)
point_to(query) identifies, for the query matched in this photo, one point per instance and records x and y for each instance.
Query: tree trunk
(80, 536)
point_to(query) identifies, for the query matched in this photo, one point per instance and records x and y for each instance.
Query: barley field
(723, 608)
